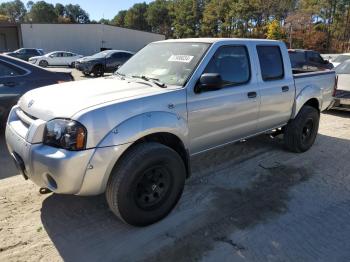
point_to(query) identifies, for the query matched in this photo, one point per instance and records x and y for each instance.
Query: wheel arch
(310, 95)
(169, 140)
(165, 128)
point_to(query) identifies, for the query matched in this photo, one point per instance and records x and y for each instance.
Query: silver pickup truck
(132, 135)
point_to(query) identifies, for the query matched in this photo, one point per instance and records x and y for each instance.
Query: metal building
(84, 39)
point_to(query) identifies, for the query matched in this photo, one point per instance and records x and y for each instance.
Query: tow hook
(44, 190)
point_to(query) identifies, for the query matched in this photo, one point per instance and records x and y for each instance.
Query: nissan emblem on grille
(31, 102)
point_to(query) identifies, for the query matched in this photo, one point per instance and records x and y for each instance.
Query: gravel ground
(250, 201)
(75, 73)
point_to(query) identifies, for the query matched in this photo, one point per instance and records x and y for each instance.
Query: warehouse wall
(9, 40)
(85, 39)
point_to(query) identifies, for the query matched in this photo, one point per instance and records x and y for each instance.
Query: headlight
(66, 134)
(32, 61)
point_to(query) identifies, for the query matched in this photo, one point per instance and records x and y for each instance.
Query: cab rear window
(297, 59)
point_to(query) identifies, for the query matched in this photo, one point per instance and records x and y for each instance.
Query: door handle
(285, 88)
(252, 95)
(10, 84)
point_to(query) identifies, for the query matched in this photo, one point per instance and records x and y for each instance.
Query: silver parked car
(132, 135)
(342, 94)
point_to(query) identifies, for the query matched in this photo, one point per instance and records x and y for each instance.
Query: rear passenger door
(276, 87)
(229, 113)
(12, 85)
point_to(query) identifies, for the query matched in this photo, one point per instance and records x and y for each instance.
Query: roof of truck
(214, 40)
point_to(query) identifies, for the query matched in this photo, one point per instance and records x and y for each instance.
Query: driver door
(230, 113)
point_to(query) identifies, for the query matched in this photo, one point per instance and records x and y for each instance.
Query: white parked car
(57, 58)
(342, 94)
(340, 59)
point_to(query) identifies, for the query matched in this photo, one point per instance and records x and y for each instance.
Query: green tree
(14, 10)
(76, 14)
(59, 9)
(119, 19)
(187, 15)
(216, 18)
(135, 17)
(42, 12)
(159, 18)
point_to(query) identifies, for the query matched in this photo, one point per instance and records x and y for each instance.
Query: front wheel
(301, 132)
(146, 184)
(98, 71)
(43, 63)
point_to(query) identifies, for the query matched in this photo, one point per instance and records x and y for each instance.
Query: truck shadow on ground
(82, 228)
(339, 113)
(7, 167)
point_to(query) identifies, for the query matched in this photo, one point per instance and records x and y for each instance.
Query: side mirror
(51, 56)
(209, 82)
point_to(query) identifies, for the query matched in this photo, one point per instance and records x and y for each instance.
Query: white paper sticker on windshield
(181, 58)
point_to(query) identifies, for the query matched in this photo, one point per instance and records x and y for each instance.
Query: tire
(72, 65)
(86, 74)
(43, 63)
(98, 70)
(3, 120)
(301, 132)
(146, 184)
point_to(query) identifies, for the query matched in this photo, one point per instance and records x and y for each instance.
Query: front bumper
(341, 100)
(59, 170)
(84, 67)
(83, 172)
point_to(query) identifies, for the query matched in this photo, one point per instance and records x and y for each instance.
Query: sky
(98, 9)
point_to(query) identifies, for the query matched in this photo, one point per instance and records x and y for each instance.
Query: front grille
(24, 117)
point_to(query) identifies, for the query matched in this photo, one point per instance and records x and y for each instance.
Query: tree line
(42, 12)
(322, 25)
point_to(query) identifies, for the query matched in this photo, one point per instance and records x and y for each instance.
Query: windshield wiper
(151, 79)
(122, 76)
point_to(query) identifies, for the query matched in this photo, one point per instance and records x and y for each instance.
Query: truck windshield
(171, 63)
(341, 58)
(343, 68)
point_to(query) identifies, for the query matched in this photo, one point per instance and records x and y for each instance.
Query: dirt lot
(75, 73)
(250, 201)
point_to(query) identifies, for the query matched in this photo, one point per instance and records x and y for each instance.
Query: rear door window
(271, 62)
(232, 63)
(7, 70)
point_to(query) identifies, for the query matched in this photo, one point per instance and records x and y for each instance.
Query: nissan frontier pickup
(132, 135)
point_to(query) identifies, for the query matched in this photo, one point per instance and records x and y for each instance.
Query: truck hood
(65, 100)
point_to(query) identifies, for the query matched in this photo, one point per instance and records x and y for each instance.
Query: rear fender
(307, 93)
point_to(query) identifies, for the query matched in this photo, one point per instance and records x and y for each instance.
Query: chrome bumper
(59, 170)
(341, 101)
(83, 172)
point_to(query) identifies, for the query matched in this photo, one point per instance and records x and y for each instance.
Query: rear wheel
(98, 71)
(301, 132)
(43, 63)
(146, 184)
(72, 65)
(86, 73)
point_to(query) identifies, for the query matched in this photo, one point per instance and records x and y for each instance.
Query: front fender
(307, 93)
(145, 124)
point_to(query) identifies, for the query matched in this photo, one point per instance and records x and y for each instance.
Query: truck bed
(325, 80)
